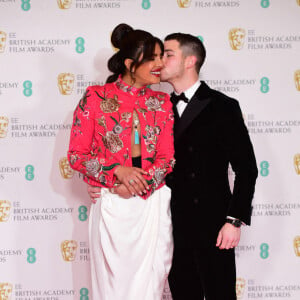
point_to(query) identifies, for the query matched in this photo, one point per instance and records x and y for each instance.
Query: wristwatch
(235, 222)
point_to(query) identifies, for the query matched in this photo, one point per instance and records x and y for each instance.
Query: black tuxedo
(208, 136)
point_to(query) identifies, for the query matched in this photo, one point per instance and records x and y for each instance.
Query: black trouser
(198, 273)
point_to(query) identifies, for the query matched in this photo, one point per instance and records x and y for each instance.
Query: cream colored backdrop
(44, 250)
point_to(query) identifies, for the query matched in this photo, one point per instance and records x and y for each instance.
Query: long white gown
(131, 246)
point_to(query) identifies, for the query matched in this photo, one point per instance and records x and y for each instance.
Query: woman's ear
(128, 62)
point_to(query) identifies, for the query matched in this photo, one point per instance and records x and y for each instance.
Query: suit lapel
(196, 105)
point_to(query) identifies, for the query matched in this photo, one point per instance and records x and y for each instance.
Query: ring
(131, 181)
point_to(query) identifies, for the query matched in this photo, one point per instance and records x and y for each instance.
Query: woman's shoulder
(99, 88)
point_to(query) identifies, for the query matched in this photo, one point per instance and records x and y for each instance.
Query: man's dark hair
(190, 45)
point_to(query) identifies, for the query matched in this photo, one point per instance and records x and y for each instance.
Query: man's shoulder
(221, 98)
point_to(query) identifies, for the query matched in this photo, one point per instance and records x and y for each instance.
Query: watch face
(237, 223)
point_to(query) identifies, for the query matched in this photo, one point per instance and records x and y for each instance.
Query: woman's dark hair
(133, 44)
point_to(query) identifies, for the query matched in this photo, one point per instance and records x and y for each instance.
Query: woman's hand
(132, 178)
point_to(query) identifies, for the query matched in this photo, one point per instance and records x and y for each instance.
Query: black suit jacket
(209, 135)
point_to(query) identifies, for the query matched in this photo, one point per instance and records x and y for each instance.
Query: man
(209, 133)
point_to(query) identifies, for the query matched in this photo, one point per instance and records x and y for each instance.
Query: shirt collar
(189, 93)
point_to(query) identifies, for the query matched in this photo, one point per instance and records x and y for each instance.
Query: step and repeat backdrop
(51, 50)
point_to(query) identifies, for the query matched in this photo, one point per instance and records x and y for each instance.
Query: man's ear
(128, 62)
(190, 61)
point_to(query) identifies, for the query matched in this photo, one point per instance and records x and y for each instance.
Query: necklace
(136, 122)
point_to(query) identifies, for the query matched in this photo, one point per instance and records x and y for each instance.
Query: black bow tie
(176, 98)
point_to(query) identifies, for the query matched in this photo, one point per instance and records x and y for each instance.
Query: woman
(122, 140)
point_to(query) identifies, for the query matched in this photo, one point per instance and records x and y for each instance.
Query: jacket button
(191, 149)
(193, 175)
(196, 201)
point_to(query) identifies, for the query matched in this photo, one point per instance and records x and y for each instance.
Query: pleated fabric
(131, 246)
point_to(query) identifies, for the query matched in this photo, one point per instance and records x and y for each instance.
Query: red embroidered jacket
(101, 133)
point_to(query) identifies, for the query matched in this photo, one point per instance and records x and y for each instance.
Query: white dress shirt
(189, 93)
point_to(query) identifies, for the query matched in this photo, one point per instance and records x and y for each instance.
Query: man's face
(174, 59)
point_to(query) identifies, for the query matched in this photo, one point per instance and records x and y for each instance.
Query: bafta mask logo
(5, 290)
(3, 126)
(298, 2)
(297, 79)
(297, 245)
(64, 4)
(65, 170)
(297, 163)
(4, 210)
(184, 3)
(68, 250)
(240, 287)
(236, 38)
(65, 83)
(2, 41)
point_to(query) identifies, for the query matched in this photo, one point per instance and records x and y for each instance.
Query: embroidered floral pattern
(130, 89)
(110, 105)
(126, 116)
(93, 167)
(153, 104)
(102, 121)
(112, 142)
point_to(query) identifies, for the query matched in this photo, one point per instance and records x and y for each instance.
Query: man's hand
(132, 178)
(228, 237)
(122, 191)
(94, 192)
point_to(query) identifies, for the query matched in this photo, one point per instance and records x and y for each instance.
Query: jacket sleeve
(163, 161)
(84, 155)
(242, 159)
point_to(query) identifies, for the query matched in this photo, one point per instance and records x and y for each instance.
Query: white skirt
(131, 246)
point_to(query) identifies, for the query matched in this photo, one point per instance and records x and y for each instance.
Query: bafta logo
(2, 41)
(297, 163)
(298, 2)
(68, 250)
(240, 287)
(236, 38)
(65, 170)
(5, 290)
(3, 126)
(297, 245)
(64, 4)
(184, 3)
(4, 210)
(297, 79)
(65, 83)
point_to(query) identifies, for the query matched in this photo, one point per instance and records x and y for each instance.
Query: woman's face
(149, 72)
